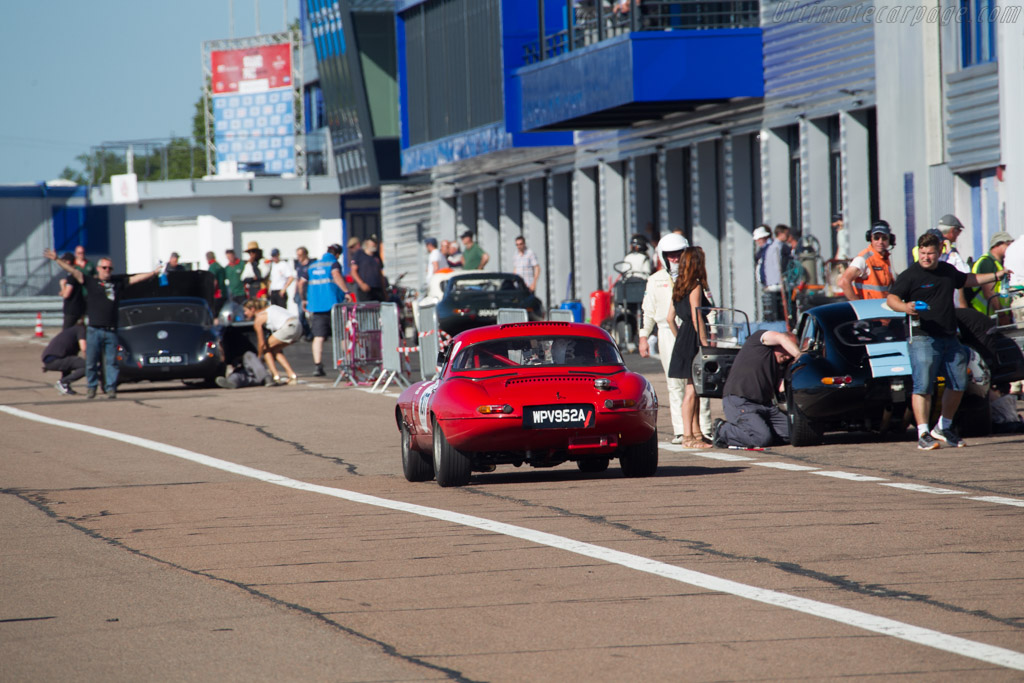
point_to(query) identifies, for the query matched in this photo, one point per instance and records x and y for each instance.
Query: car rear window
(486, 284)
(142, 314)
(872, 331)
(537, 352)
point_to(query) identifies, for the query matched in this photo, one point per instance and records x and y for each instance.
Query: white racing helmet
(671, 242)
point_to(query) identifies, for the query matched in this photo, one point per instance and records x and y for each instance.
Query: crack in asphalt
(837, 581)
(42, 504)
(349, 467)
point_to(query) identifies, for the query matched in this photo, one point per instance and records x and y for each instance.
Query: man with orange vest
(869, 275)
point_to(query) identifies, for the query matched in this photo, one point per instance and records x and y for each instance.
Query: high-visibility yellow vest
(976, 295)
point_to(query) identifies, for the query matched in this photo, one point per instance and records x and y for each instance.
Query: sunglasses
(880, 237)
(104, 267)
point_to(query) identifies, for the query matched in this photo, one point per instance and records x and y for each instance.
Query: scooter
(627, 295)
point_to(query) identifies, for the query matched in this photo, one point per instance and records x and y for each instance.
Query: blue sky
(82, 73)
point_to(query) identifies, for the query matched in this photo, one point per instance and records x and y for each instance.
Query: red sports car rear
(528, 393)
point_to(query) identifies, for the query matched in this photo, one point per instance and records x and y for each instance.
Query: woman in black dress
(687, 298)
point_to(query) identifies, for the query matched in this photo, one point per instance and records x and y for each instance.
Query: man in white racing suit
(656, 305)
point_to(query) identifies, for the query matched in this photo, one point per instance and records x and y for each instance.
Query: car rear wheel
(599, 464)
(640, 460)
(452, 467)
(802, 432)
(415, 465)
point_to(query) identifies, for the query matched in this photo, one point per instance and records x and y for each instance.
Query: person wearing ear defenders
(869, 275)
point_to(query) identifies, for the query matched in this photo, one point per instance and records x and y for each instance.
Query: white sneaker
(678, 439)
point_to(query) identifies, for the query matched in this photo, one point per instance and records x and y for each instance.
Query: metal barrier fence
(561, 315)
(430, 342)
(393, 362)
(21, 311)
(356, 342)
(512, 315)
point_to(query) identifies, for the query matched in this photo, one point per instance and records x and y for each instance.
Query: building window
(977, 32)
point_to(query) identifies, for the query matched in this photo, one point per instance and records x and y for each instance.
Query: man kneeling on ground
(752, 420)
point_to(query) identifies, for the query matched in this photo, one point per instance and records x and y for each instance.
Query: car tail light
(837, 381)
(493, 409)
(211, 348)
(611, 404)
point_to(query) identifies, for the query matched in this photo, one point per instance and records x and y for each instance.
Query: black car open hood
(198, 283)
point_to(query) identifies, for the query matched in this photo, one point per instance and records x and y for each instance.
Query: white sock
(945, 422)
(922, 430)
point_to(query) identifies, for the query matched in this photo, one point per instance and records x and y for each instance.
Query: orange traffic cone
(39, 324)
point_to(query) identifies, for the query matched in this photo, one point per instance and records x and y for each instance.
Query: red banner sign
(251, 70)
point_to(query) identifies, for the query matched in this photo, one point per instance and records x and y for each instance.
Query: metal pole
(570, 24)
(540, 28)
(633, 20)
(600, 20)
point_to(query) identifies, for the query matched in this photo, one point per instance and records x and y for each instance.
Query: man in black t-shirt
(752, 420)
(103, 294)
(367, 272)
(61, 354)
(934, 347)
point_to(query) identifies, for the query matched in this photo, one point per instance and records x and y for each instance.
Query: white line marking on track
(837, 474)
(921, 488)
(711, 455)
(843, 615)
(998, 499)
(785, 466)
(851, 476)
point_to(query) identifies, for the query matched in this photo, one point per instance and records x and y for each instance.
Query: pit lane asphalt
(120, 563)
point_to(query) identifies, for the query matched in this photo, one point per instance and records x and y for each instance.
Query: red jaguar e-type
(540, 393)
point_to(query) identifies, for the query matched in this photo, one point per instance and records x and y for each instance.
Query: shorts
(932, 356)
(321, 325)
(289, 333)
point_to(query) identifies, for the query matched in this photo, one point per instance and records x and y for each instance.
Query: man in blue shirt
(324, 286)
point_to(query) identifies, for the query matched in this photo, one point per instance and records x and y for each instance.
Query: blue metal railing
(592, 21)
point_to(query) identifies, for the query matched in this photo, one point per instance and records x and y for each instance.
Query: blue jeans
(930, 355)
(100, 343)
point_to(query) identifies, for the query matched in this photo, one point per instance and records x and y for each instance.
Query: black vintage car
(472, 299)
(854, 372)
(169, 338)
(167, 329)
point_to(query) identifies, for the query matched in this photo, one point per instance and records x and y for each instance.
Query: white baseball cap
(761, 232)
